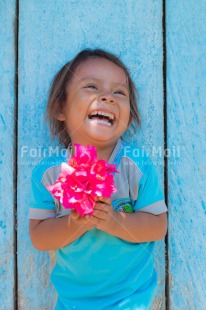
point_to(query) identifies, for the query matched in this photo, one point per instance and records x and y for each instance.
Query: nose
(106, 98)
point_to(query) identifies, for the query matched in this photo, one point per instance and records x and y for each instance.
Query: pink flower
(83, 179)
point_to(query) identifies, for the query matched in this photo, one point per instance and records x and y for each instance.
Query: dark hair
(58, 92)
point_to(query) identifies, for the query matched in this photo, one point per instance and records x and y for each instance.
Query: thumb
(74, 215)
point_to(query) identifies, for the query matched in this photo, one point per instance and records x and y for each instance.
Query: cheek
(126, 110)
(127, 114)
(75, 116)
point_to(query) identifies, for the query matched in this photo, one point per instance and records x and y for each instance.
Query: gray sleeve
(155, 208)
(41, 214)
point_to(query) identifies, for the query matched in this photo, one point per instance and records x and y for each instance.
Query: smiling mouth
(103, 118)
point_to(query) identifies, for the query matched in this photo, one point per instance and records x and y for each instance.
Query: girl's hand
(80, 222)
(104, 216)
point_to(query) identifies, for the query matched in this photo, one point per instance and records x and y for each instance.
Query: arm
(55, 233)
(140, 226)
(133, 227)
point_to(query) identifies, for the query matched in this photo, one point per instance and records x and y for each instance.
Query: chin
(102, 139)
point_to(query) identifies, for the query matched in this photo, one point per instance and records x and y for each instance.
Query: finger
(101, 206)
(93, 220)
(106, 200)
(100, 214)
(87, 217)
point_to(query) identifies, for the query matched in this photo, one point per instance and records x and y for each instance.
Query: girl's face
(97, 110)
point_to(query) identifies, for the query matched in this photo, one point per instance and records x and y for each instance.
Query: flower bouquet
(83, 179)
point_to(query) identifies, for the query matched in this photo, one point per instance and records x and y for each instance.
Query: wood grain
(186, 97)
(7, 155)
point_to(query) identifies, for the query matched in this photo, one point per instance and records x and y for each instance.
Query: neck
(103, 152)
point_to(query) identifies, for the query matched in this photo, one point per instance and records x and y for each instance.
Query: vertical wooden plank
(7, 155)
(50, 35)
(186, 97)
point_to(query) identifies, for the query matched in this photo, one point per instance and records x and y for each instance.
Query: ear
(60, 117)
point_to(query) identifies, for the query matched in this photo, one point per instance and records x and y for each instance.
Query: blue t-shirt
(98, 270)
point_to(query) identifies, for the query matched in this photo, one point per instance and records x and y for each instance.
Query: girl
(103, 261)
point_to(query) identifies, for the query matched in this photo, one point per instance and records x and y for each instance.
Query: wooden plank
(186, 97)
(7, 154)
(49, 36)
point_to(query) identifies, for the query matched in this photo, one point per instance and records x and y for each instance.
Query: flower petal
(83, 179)
(66, 169)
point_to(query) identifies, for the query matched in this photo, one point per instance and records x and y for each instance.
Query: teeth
(100, 121)
(110, 115)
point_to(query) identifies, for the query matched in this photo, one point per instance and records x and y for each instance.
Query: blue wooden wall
(186, 124)
(37, 38)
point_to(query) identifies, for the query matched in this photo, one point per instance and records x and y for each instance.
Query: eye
(120, 92)
(91, 86)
